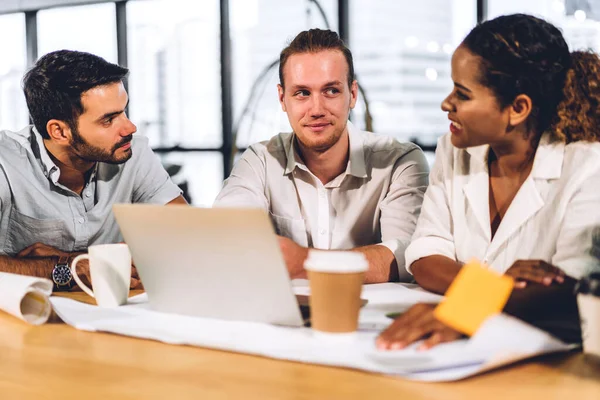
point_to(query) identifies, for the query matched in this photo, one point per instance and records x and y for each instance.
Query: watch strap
(63, 260)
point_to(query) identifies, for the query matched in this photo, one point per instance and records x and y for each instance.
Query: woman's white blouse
(555, 216)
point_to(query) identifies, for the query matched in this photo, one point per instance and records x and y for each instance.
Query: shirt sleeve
(152, 183)
(245, 187)
(401, 206)
(433, 235)
(5, 205)
(578, 244)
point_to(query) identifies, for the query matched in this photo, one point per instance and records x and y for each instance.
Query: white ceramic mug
(110, 270)
(589, 311)
(588, 302)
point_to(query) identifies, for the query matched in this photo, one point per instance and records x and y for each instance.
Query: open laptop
(210, 262)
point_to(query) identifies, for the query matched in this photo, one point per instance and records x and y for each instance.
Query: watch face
(61, 275)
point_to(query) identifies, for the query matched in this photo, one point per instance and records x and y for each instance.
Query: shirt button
(322, 231)
(321, 194)
(88, 194)
(81, 220)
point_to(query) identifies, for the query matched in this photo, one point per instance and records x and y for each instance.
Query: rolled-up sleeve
(433, 235)
(401, 206)
(5, 205)
(152, 183)
(245, 187)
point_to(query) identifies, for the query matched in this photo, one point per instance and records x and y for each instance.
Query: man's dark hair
(53, 87)
(313, 41)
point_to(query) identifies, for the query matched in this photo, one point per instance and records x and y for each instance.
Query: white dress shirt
(376, 200)
(555, 215)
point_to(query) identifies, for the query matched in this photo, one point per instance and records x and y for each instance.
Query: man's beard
(321, 146)
(92, 153)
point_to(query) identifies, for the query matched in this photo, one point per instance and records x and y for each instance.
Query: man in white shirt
(329, 185)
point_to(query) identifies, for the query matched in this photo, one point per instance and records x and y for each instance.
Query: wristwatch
(61, 274)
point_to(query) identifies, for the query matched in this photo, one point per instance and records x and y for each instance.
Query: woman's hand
(415, 324)
(536, 271)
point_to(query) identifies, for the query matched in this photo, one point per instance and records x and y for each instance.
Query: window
(175, 87)
(200, 174)
(260, 29)
(174, 83)
(402, 61)
(13, 110)
(85, 28)
(578, 19)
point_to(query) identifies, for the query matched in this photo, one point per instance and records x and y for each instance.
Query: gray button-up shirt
(34, 207)
(377, 200)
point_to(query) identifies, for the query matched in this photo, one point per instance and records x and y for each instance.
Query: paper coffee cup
(336, 279)
(588, 302)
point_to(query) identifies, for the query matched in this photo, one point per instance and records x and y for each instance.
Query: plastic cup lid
(339, 262)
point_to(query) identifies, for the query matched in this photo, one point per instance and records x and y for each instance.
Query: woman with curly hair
(516, 182)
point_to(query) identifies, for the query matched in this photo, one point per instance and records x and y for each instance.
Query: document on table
(26, 297)
(383, 296)
(501, 339)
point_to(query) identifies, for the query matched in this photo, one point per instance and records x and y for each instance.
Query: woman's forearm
(435, 273)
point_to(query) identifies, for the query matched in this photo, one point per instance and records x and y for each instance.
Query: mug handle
(76, 277)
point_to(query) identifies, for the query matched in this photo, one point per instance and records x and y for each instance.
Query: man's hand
(294, 256)
(41, 250)
(536, 271)
(136, 283)
(83, 271)
(415, 324)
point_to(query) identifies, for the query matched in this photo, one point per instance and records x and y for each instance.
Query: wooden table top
(55, 361)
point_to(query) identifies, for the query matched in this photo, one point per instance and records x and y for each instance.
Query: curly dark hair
(522, 54)
(312, 41)
(53, 87)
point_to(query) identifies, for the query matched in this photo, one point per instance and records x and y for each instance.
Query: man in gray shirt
(329, 185)
(60, 177)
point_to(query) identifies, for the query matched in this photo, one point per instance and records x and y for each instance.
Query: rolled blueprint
(26, 297)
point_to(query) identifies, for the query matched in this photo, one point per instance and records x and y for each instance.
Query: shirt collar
(356, 164)
(290, 153)
(51, 171)
(549, 156)
(547, 163)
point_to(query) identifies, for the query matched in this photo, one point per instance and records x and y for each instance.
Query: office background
(203, 72)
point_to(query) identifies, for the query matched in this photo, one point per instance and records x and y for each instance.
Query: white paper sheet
(26, 297)
(501, 340)
(384, 295)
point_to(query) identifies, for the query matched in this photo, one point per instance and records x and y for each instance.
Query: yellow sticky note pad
(475, 294)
